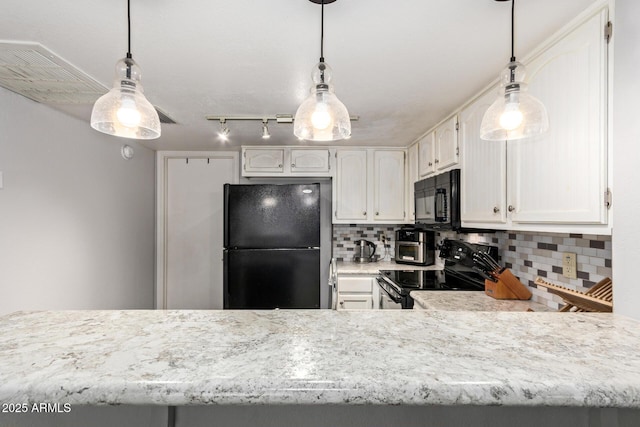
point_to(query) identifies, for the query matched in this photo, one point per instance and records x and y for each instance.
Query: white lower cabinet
(357, 292)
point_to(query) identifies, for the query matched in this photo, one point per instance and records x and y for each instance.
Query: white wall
(626, 159)
(76, 219)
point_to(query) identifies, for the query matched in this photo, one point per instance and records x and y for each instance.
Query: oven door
(389, 299)
(410, 252)
(425, 201)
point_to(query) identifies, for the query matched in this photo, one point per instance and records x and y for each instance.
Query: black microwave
(437, 201)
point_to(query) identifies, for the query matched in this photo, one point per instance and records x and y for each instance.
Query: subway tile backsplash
(344, 236)
(527, 254)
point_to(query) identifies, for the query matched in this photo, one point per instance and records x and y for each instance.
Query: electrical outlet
(569, 267)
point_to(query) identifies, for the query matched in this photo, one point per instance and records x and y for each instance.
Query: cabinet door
(309, 160)
(484, 167)
(446, 148)
(426, 163)
(263, 160)
(388, 186)
(413, 177)
(354, 302)
(350, 186)
(560, 177)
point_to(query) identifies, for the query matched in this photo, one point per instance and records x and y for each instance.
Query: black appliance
(458, 275)
(437, 201)
(272, 246)
(415, 246)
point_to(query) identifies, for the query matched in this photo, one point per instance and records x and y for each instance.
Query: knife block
(507, 287)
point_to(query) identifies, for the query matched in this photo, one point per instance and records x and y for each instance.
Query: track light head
(265, 129)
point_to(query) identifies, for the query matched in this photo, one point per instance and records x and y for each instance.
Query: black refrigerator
(271, 246)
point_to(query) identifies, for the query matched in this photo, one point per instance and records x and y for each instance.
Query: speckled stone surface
(321, 356)
(348, 267)
(470, 301)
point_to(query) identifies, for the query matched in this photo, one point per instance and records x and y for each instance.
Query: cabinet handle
(430, 164)
(342, 303)
(496, 209)
(364, 213)
(280, 165)
(437, 161)
(377, 213)
(511, 208)
(293, 165)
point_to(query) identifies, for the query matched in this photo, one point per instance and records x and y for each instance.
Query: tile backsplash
(530, 255)
(344, 236)
(527, 254)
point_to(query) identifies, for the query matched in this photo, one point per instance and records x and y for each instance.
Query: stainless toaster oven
(415, 246)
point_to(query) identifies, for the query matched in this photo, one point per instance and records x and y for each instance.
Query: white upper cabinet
(286, 161)
(263, 160)
(389, 186)
(426, 151)
(350, 186)
(414, 175)
(561, 177)
(446, 148)
(370, 186)
(310, 161)
(556, 181)
(483, 167)
(438, 150)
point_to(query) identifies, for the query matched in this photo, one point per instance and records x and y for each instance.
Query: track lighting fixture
(265, 129)
(223, 133)
(124, 111)
(515, 114)
(322, 117)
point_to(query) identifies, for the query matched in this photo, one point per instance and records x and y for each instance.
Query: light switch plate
(569, 267)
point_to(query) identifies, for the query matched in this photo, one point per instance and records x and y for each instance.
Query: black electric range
(458, 275)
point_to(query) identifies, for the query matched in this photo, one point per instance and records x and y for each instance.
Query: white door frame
(162, 158)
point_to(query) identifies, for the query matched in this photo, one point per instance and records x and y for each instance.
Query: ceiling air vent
(33, 71)
(164, 119)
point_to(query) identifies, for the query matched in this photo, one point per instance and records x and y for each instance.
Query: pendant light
(124, 111)
(515, 114)
(322, 117)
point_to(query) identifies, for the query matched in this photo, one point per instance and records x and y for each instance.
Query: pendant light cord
(513, 6)
(128, 28)
(322, 34)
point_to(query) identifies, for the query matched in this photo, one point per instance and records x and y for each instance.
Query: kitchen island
(423, 360)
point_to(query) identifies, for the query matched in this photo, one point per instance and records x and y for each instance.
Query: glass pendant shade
(124, 111)
(515, 114)
(322, 117)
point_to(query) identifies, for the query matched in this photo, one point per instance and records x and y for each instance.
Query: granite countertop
(320, 356)
(470, 301)
(350, 267)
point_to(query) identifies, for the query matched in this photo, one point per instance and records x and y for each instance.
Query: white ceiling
(401, 66)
